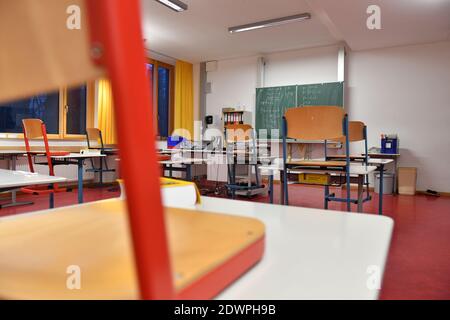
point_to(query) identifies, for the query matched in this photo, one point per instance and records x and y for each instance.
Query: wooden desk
(316, 164)
(342, 156)
(207, 252)
(12, 180)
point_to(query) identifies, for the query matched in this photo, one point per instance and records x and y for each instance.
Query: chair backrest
(315, 123)
(240, 138)
(35, 129)
(356, 131)
(238, 133)
(94, 135)
(32, 128)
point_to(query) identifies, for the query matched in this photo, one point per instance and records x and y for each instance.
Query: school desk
(183, 160)
(78, 160)
(11, 156)
(107, 152)
(12, 180)
(380, 163)
(309, 253)
(393, 157)
(181, 165)
(356, 170)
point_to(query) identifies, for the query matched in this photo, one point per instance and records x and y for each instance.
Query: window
(162, 78)
(163, 101)
(66, 113)
(43, 106)
(76, 108)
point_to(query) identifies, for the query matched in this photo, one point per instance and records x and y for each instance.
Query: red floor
(419, 259)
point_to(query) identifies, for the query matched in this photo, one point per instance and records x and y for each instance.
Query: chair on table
(315, 123)
(95, 142)
(357, 132)
(241, 145)
(35, 129)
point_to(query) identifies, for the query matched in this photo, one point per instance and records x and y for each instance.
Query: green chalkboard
(271, 103)
(323, 94)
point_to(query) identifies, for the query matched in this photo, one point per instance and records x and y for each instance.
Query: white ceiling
(201, 33)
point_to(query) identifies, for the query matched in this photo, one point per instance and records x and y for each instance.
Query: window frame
(90, 110)
(62, 121)
(156, 65)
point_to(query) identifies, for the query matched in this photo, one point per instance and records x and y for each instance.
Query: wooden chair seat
(342, 156)
(315, 163)
(35, 252)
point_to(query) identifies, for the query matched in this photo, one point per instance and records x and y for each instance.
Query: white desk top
(13, 179)
(380, 161)
(79, 155)
(310, 253)
(12, 152)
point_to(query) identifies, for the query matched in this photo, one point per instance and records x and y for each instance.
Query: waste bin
(407, 179)
(388, 183)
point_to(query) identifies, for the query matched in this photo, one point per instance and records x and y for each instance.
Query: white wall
(233, 85)
(301, 67)
(406, 90)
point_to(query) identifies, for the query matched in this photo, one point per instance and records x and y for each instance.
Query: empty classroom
(224, 150)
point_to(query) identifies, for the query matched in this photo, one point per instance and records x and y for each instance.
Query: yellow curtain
(184, 98)
(106, 119)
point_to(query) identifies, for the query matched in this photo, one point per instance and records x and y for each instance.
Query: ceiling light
(175, 5)
(270, 23)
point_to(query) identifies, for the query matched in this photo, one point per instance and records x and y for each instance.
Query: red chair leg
(116, 27)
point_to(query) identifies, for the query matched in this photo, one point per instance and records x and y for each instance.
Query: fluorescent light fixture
(175, 5)
(270, 23)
